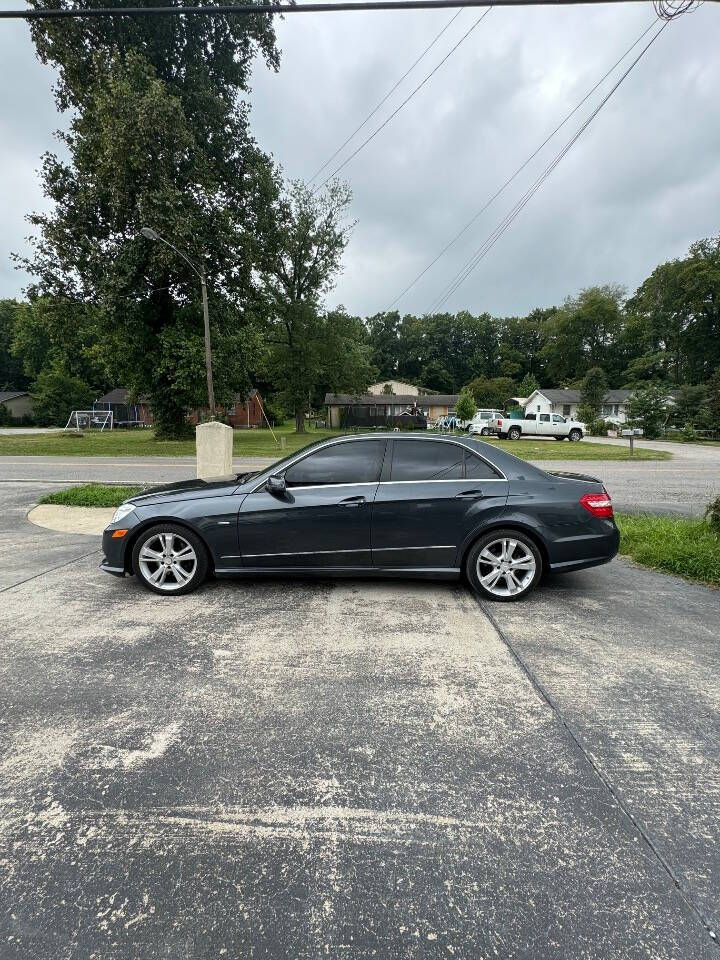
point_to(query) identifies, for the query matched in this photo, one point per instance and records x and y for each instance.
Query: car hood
(187, 490)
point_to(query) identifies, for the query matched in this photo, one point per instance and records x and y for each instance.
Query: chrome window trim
(368, 483)
(466, 480)
(330, 443)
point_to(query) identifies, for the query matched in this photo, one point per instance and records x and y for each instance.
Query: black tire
(484, 432)
(181, 575)
(514, 433)
(575, 435)
(474, 571)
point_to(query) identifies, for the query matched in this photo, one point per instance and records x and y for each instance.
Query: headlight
(122, 511)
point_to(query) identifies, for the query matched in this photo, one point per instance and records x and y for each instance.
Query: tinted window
(529, 416)
(558, 419)
(355, 462)
(544, 418)
(427, 460)
(486, 414)
(477, 469)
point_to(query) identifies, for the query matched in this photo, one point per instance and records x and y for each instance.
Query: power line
(522, 166)
(407, 100)
(490, 242)
(280, 9)
(386, 97)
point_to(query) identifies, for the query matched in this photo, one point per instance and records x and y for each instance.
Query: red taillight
(598, 504)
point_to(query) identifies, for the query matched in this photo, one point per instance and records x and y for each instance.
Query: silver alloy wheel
(167, 561)
(506, 568)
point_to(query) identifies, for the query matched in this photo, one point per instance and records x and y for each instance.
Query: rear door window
(426, 460)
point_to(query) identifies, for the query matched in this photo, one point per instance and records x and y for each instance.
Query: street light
(150, 234)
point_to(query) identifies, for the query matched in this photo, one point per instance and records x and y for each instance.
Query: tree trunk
(299, 420)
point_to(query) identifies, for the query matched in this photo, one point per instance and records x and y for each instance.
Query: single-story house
(125, 413)
(399, 387)
(244, 413)
(18, 403)
(376, 410)
(567, 403)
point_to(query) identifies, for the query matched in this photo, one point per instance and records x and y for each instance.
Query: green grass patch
(583, 450)
(92, 495)
(260, 443)
(687, 547)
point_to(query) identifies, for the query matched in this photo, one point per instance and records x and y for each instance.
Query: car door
(431, 495)
(544, 427)
(559, 428)
(529, 424)
(322, 519)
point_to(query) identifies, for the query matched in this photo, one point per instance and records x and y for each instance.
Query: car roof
(510, 465)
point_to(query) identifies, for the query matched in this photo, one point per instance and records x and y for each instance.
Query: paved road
(358, 769)
(683, 485)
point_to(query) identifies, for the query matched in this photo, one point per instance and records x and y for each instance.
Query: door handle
(469, 495)
(352, 502)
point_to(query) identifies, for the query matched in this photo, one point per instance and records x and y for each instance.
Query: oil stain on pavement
(300, 770)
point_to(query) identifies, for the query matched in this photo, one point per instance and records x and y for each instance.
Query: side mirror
(276, 485)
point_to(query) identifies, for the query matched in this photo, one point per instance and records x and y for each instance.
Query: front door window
(356, 461)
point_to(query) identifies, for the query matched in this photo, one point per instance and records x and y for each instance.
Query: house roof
(119, 395)
(573, 396)
(12, 394)
(370, 399)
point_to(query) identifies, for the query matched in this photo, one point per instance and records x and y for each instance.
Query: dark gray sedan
(386, 505)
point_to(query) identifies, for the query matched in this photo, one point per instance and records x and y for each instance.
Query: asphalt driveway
(356, 769)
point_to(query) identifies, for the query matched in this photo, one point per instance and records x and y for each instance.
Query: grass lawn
(259, 443)
(92, 495)
(687, 547)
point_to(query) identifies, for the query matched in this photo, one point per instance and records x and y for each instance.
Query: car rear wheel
(169, 559)
(504, 565)
(575, 435)
(514, 433)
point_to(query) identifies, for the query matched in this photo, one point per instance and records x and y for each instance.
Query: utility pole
(151, 234)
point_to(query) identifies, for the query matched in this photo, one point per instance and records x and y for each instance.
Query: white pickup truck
(539, 425)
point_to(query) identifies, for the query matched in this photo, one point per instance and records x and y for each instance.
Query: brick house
(244, 413)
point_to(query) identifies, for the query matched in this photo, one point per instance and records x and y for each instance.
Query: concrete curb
(85, 520)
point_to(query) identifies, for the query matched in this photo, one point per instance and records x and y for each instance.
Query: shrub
(712, 514)
(688, 433)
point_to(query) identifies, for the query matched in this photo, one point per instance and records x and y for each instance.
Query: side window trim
(344, 483)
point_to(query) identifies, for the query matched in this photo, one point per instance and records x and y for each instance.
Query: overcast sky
(642, 183)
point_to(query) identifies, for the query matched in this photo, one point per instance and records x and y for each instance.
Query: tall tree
(159, 137)
(583, 334)
(12, 374)
(678, 309)
(383, 329)
(592, 394)
(300, 268)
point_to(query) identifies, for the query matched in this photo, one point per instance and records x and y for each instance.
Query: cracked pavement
(303, 769)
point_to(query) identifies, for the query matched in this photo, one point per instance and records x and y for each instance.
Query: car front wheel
(503, 565)
(485, 432)
(575, 435)
(170, 559)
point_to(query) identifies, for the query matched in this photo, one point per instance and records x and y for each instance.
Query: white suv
(480, 423)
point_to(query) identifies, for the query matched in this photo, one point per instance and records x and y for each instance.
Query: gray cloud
(642, 183)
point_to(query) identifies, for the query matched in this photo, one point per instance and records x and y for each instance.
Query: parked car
(388, 505)
(540, 425)
(482, 422)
